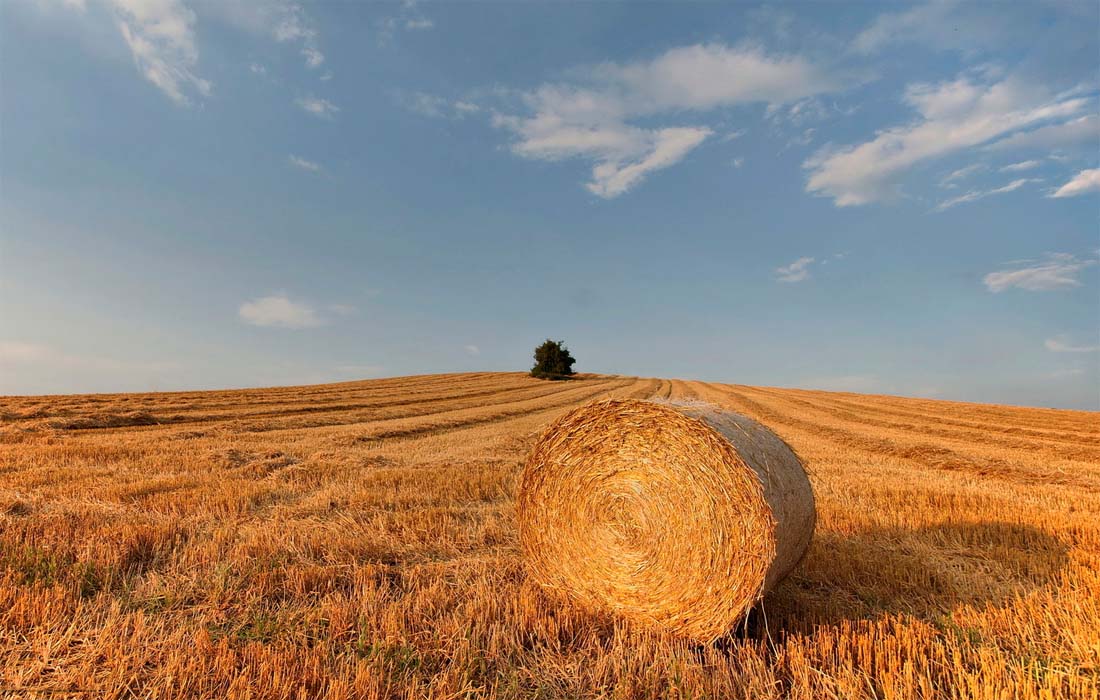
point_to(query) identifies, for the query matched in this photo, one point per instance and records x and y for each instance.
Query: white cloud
(738, 162)
(307, 165)
(889, 28)
(278, 311)
(946, 25)
(668, 146)
(1082, 183)
(428, 105)
(282, 20)
(591, 117)
(953, 116)
(796, 271)
(257, 68)
(314, 58)
(975, 195)
(409, 18)
(962, 173)
(1074, 132)
(291, 23)
(318, 107)
(1021, 166)
(1061, 344)
(706, 76)
(161, 38)
(1054, 271)
(472, 350)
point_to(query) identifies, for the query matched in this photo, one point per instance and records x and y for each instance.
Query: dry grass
(359, 540)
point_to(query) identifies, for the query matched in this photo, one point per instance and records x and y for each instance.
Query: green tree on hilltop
(552, 361)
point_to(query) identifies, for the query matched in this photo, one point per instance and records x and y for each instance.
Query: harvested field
(359, 540)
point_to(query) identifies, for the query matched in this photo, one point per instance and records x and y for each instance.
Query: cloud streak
(797, 271)
(161, 37)
(303, 164)
(975, 195)
(1060, 344)
(279, 311)
(318, 107)
(1082, 183)
(1055, 271)
(952, 116)
(1021, 166)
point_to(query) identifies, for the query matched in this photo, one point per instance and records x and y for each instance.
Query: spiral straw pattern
(675, 514)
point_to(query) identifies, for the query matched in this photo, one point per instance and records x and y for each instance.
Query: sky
(879, 198)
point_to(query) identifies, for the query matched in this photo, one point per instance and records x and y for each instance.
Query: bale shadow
(925, 573)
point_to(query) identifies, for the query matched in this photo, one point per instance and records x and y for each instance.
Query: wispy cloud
(1021, 166)
(161, 38)
(318, 107)
(797, 271)
(285, 21)
(975, 195)
(307, 165)
(1062, 344)
(435, 106)
(293, 24)
(592, 118)
(1074, 132)
(921, 23)
(1082, 183)
(1054, 271)
(279, 311)
(953, 116)
(953, 177)
(409, 19)
(951, 25)
(314, 58)
(472, 350)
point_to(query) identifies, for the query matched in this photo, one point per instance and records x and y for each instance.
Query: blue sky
(878, 198)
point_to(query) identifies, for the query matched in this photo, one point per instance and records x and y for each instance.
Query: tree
(552, 361)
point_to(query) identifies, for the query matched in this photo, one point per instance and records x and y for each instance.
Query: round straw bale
(675, 514)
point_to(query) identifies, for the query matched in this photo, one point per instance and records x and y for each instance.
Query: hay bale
(675, 514)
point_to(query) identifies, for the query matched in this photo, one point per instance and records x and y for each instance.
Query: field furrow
(358, 540)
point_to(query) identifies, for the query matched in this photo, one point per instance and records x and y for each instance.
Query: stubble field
(358, 540)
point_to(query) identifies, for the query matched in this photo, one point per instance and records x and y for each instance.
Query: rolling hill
(358, 540)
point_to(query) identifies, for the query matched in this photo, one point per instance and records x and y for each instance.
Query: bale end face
(679, 516)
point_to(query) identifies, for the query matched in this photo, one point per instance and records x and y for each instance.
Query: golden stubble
(359, 540)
